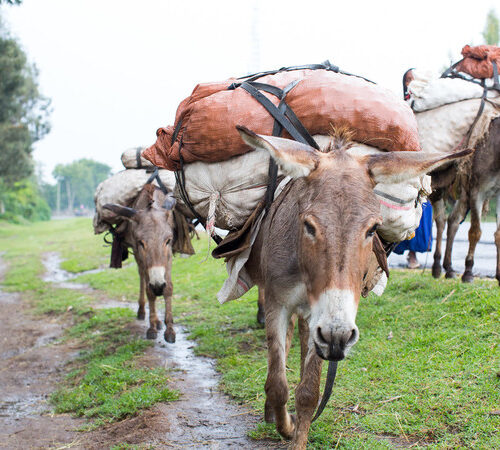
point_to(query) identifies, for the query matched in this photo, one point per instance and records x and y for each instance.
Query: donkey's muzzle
(332, 343)
(157, 289)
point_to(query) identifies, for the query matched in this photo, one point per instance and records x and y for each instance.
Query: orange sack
(477, 60)
(207, 120)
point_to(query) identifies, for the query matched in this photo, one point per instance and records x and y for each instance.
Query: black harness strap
(156, 176)
(138, 157)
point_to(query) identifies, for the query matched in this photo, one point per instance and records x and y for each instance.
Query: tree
(23, 111)
(491, 33)
(78, 181)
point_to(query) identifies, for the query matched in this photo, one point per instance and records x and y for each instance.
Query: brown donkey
(150, 234)
(311, 255)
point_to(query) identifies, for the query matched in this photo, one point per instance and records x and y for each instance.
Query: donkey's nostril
(321, 338)
(352, 336)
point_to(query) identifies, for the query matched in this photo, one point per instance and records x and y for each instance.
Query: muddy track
(31, 364)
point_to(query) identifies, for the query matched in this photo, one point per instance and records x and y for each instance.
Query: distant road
(485, 256)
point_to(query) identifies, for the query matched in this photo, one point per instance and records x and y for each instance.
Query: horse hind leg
(474, 234)
(439, 212)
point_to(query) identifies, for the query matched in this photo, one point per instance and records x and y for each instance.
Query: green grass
(107, 381)
(433, 384)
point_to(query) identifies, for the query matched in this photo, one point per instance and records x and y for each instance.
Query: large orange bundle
(206, 121)
(477, 61)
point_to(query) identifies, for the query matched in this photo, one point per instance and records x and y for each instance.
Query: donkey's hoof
(288, 430)
(169, 336)
(467, 277)
(450, 274)
(151, 333)
(436, 270)
(141, 315)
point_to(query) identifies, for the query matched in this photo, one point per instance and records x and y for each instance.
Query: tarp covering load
(122, 189)
(478, 61)
(205, 124)
(133, 159)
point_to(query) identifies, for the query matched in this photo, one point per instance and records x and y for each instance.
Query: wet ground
(484, 258)
(32, 362)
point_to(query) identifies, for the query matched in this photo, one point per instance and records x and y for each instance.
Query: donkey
(479, 181)
(310, 257)
(150, 234)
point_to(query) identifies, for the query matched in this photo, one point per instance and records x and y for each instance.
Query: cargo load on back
(205, 123)
(480, 61)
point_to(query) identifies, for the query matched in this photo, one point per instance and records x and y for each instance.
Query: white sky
(117, 69)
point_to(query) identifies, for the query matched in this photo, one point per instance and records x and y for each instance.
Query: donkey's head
(336, 218)
(151, 228)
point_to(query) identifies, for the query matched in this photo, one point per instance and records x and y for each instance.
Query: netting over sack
(205, 126)
(122, 189)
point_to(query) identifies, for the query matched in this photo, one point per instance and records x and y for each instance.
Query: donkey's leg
(153, 317)
(457, 215)
(438, 209)
(304, 342)
(276, 387)
(261, 315)
(169, 334)
(476, 208)
(141, 311)
(497, 239)
(307, 392)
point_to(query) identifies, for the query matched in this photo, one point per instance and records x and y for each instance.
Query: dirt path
(31, 365)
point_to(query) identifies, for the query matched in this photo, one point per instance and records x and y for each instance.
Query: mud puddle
(203, 417)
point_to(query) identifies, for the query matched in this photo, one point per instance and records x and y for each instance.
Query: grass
(106, 382)
(433, 384)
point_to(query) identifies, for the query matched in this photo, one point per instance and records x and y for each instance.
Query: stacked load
(225, 179)
(123, 188)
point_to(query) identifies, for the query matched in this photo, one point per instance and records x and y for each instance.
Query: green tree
(491, 32)
(23, 110)
(78, 180)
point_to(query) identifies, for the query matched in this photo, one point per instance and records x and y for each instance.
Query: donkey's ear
(122, 211)
(295, 159)
(396, 167)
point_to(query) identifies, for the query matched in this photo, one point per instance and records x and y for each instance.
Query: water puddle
(60, 277)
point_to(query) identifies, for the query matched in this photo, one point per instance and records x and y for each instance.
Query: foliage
(491, 32)
(80, 179)
(11, 2)
(22, 201)
(23, 110)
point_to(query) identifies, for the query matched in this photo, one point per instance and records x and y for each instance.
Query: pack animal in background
(150, 229)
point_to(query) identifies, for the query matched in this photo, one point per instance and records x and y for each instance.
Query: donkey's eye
(141, 244)
(167, 242)
(372, 230)
(309, 228)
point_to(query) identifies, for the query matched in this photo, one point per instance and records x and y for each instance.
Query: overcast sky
(117, 69)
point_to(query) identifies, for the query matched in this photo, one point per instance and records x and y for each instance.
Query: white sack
(234, 186)
(443, 129)
(129, 159)
(122, 189)
(428, 92)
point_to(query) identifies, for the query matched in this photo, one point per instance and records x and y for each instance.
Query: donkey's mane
(341, 138)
